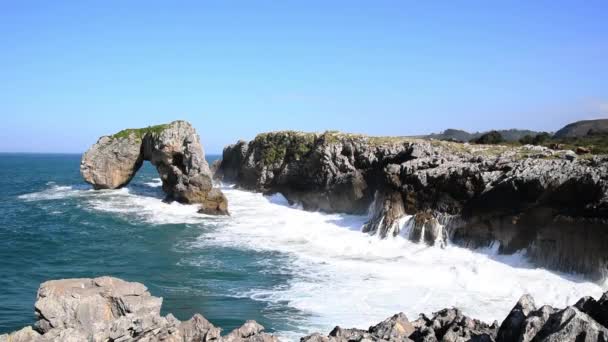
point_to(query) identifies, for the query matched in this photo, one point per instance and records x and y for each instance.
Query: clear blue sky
(72, 71)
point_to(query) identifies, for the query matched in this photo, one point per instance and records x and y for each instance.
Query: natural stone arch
(174, 149)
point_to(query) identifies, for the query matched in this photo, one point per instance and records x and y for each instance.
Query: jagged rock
(512, 326)
(395, 328)
(450, 325)
(111, 309)
(529, 198)
(174, 149)
(598, 310)
(570, 324)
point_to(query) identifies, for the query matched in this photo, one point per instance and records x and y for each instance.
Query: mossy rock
(285, 145)
(140, 132)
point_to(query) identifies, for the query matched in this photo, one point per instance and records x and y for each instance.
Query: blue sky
(72, 71)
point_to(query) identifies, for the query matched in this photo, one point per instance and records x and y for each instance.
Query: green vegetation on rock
(140, 132)
(284, 145)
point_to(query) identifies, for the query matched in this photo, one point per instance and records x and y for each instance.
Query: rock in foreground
(111, 309)
(583, 322)
(174, 149)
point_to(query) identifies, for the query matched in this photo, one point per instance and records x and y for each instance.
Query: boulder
(174, 149)
(111, 309)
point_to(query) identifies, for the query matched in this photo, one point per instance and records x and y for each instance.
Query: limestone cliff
(551, 204)
(174, 149)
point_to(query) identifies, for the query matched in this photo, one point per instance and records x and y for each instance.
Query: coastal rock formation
(551, 204)
(111, 309)
(583, 322)
(174, 149)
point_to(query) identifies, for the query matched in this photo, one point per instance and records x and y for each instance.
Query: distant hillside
(583, 128)
(464, 136)
(453, 134)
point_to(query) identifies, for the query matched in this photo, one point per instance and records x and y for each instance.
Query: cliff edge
(551, 204)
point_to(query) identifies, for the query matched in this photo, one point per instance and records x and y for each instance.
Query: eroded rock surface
(111, 309)
(525, 323)
(551, 204)
(174, 149)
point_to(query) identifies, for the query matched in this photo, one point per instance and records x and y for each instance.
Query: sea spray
(335, 274)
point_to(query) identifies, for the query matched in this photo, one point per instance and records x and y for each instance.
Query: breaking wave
(337, 275)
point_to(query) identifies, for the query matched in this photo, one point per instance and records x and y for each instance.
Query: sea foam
(341, 276)
(338, 275)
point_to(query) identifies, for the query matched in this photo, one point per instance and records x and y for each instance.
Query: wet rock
(174, 149)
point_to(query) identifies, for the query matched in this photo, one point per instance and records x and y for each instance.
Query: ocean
(293, 271)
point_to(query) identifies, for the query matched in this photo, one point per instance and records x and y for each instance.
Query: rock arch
(174, 149)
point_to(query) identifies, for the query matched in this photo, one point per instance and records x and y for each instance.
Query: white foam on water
(340, 276)
(124, 203)
(155, 183)
(344, 277)
(53, 192)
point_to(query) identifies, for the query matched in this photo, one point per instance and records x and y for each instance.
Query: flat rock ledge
(111, 309)
(176, 152)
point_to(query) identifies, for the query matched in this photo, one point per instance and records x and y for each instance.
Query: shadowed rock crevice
(174, 150)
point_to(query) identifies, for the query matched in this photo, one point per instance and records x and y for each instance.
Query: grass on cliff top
(140, 132)
(277, 146)
(293, 145)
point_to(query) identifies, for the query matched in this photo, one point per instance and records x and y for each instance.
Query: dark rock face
(549, 203)
(174, 149)
(111, 309)
(525, 323)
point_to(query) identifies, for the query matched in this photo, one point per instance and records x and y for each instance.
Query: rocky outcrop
(551, 204)
(111, 309)
(174, 149)
(583, 322)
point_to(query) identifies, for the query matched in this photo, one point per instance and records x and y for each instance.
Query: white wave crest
(340, 276)
(343, 277)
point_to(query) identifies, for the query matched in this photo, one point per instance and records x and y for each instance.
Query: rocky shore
(551, 204)
(176, 152)
(111, 309)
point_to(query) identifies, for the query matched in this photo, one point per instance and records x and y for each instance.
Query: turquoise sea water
(293, 271)
(54, 234)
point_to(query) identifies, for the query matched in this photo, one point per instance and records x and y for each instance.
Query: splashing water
(324, 271)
